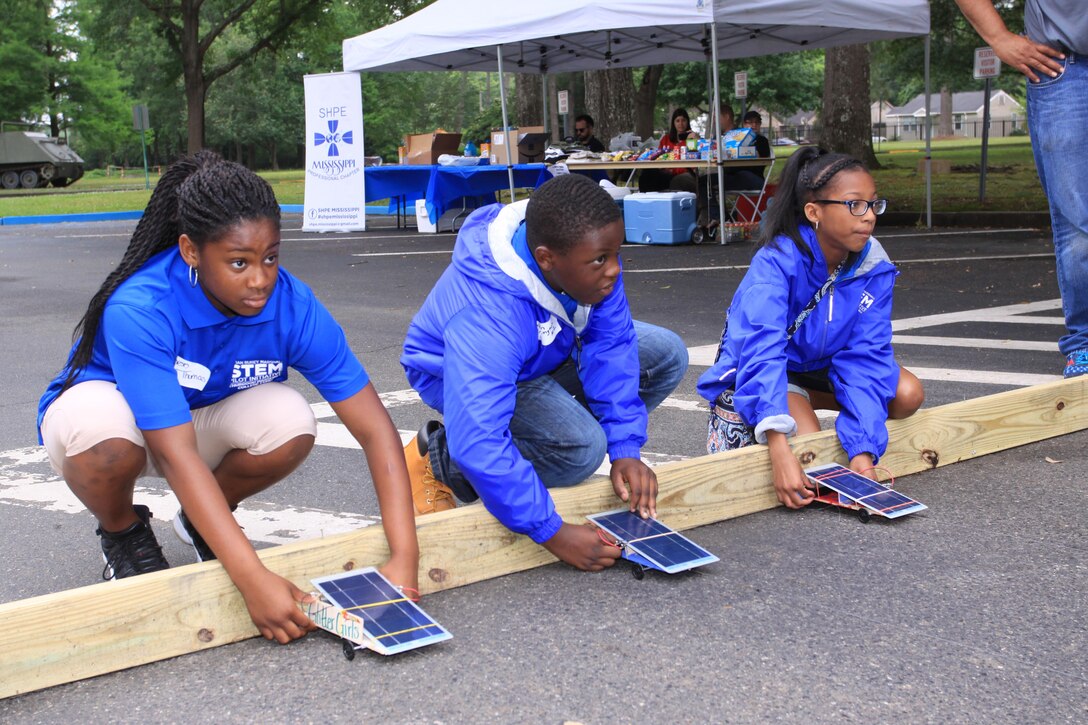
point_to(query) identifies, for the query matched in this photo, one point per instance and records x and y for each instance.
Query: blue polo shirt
(170, 351)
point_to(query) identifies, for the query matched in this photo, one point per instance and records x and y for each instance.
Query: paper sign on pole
(740, 84)
(334, 193)
(564, 102)
(987, 64)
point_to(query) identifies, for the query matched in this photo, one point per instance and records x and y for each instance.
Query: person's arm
(485, 351)
(609, 371)
(1014, 50)
(791, 486)
(272, 601)
(865, 375)
(369, 423)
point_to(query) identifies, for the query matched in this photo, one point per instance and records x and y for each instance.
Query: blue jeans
(552, 427)
(1058, 121)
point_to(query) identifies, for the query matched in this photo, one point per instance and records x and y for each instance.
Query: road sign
(140, 120)
(564, 102)
(987, 64)
(740, 85)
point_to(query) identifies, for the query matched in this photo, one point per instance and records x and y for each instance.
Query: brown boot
(428, 493)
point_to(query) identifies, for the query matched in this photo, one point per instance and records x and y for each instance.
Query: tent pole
(505, 125)
(715, 113)
(544, 103)
(929, 160)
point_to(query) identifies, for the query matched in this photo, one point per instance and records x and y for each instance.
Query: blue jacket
(849, 332)
(491, 323)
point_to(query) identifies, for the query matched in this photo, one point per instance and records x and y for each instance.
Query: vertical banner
(334, 192)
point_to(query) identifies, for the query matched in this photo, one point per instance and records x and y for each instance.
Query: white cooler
(659, 217)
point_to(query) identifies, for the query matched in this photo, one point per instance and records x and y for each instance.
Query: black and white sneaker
(188, 533)
(132, 551)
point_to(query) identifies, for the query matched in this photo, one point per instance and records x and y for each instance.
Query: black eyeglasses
(858, 207)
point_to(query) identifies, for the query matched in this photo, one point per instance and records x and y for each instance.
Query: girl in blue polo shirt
(810, 327)
(178, 372)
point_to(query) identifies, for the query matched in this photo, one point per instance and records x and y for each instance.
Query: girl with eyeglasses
(810, 328)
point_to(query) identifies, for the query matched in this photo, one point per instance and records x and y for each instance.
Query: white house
(908, 121)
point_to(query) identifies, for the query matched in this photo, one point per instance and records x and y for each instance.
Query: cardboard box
(527, 150)
(425, 148)
(739, 144)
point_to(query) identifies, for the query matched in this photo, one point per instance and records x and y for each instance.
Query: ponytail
(200, 195)
(808, 170)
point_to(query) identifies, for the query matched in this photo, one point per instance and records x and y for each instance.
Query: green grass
(1013, 186)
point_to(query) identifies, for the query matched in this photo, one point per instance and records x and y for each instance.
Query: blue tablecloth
(444, 186)
(448, 184)
(389, 182)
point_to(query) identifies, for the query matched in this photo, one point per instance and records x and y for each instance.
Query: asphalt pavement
(972, 611)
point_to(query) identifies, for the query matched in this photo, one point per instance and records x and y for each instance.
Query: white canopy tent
(571, 35)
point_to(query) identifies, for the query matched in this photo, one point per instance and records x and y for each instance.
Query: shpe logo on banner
(333, 167)
(332, 138)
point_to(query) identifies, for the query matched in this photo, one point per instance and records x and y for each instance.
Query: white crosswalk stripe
(27, 480)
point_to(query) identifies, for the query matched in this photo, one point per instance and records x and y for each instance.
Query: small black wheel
(864, 515)
(638, 572)
(698, 235)
(349, 649)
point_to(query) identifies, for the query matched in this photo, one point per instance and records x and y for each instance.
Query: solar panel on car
(392, 622)
(860, 490)
(651, 543)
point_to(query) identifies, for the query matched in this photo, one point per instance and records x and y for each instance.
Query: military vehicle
(31, 159)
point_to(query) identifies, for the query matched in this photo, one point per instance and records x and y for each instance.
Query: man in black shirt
(583, 133)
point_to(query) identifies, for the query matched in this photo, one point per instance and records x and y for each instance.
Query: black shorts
(816, 380)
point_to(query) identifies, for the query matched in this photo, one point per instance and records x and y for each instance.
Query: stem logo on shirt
(248, 373)
(190, 374)
(547, 331)
(866, 302)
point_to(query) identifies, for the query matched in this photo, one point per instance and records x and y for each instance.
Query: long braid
(808, 170)
(200, 195)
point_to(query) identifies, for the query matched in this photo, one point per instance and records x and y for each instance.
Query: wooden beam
(71, 635)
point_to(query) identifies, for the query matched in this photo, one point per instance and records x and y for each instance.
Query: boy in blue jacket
(527, 347)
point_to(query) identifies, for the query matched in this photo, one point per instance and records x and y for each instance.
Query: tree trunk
(645, 100)
(192, 63)
(459, 122)
(944, 121)
(845, 119)
(528, 107)
(610, 100)
(273, 152)
(553, 109)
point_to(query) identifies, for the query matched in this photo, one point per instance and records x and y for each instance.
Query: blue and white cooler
(659, 217)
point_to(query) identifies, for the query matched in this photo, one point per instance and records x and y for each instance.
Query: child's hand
(633, 473)
(791, 485)
(582, 547)
(273, 604)
(863, 463)
(403, 572)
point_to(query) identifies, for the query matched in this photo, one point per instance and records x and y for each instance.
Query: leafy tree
(25, 29)
(898, 66)
(194, 30)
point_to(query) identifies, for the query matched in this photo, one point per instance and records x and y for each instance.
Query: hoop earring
(194, 276)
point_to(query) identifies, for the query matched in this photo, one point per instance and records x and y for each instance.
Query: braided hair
(808, 170)
(563, 209)
(200, 195)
